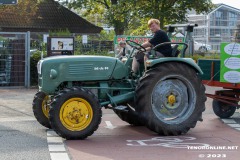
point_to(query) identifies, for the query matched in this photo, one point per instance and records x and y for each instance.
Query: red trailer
(225, 101)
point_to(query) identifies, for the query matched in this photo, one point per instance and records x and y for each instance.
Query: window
(219, 14)
(232, 16)
(199, 32)
(215, 32)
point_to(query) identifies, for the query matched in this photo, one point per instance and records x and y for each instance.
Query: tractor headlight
(39, 67)
(53, 74)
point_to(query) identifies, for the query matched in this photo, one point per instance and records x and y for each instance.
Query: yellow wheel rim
(45, 107)
(76, 114)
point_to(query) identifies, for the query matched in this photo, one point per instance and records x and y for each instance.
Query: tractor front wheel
(170, 98)
(40, 108)
(75, 113)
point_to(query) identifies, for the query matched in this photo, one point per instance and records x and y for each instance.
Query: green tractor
(166, 95)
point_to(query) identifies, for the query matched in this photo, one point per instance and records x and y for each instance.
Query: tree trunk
(119, 27)
(161, 22)
(119, 31)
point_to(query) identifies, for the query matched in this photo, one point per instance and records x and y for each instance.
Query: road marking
(59, 156)
(51, 133)
(228, 121)
(234, 125)
(54, 140)
(56, 146)
(168, 142)
(109, 125)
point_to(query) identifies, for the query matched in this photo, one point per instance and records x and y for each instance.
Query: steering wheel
(136, 45)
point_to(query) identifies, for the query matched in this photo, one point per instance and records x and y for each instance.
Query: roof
(216, 7)
(220, 5)
(49, 15)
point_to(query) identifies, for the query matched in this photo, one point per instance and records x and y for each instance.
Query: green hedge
(35, 57)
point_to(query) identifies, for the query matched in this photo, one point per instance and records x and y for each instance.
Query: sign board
(8, 2)
(178, 39)
(60, 45)
(141, 39)
(230, 62)
(137, 39)
(45, 36)
(84, 39)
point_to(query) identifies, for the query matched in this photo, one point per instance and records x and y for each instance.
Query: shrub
(35, 57)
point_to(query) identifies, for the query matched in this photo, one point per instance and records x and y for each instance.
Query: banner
(142, 39)
(137, 39)
(230, 62)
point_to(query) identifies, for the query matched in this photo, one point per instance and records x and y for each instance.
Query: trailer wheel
(222, 109)
(75, 113)
(40, 108)
(170, 98)
(129, 116)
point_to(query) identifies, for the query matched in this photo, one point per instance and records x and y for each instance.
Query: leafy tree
(115, 12)
(106, 36)
(130, 16)
(25, 8)
(126, 16)
(171, 11)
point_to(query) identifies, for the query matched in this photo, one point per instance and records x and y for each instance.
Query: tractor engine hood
(54, 70)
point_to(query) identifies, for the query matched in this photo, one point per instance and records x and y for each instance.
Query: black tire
(38, 109)
(182, 109)
(130, 116)
(88, 113)
(222, 109)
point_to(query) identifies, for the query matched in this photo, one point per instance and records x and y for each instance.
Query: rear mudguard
(189, 61)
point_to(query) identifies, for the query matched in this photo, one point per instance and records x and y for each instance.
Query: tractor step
(121, 108)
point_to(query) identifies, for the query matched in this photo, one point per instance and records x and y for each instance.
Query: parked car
(201, 47)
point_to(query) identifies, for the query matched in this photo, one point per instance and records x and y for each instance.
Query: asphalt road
(22, 138)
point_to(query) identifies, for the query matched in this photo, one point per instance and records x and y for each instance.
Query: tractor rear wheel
(129, 116)
(222, 109)
(75, 113)
(40, 108)
(170, 98)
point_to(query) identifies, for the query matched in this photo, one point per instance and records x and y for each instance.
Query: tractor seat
(175, 51)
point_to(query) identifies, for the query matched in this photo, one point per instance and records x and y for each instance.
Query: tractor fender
(189, 61)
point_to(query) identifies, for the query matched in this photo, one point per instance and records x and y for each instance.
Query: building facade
(217, 26)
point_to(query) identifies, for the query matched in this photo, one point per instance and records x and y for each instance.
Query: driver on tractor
(159, 37)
